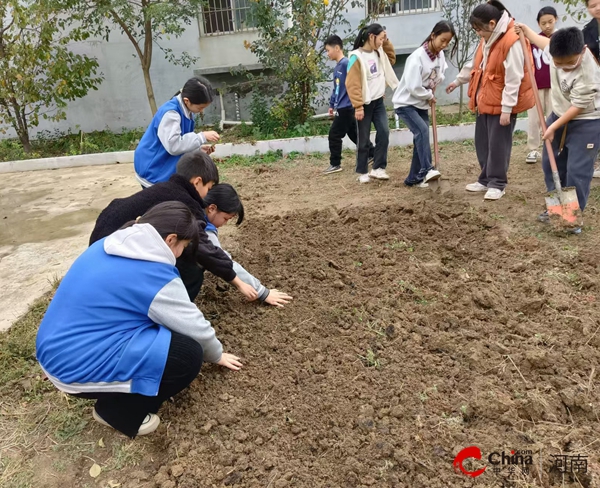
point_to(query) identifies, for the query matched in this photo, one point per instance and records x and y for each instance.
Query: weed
(370, 360)
(400, 245)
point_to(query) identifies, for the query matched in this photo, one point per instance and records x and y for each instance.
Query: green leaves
(38, 72)
(291, 37)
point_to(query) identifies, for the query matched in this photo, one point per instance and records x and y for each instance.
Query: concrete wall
(121, 100)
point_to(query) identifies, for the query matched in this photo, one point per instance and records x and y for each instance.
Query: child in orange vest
(499, 89)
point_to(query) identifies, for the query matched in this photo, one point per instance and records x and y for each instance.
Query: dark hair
(197, 90)
(170, 218)
(226, 200)
(566, 42)
(442, 27)
(334, 41)
(485, 13)
(547, 11)
(365, 32)
(198, 163)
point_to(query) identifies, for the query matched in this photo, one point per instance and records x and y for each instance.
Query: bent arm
(174, 142)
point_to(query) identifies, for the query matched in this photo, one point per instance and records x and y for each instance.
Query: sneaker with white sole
(493, 194)
(379, 174)
(149, 425)
(422, 185)
(432, 174)
(597, 170)
(532, 157)
(364, 178)
(476, 187)
(332, 169)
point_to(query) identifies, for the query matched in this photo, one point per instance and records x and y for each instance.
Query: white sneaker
(379, 174)
(364, 178)
(149, 425)
(532, 157)
(422, 185)
(432, 174)
(494, 194)
(476, 187)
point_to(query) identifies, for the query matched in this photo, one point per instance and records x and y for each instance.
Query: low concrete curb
(305, 145)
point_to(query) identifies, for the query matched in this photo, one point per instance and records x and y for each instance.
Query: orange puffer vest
(490, 80)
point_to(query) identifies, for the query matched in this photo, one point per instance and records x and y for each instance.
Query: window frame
(234, 8)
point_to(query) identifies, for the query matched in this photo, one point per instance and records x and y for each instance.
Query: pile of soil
(414, 333)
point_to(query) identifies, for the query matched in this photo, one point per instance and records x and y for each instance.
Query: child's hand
(208, 149)
(359, 113)
(431, 101)
(505, 119)
(250, 293)
(549, 134)
(451, 87)
(330, 112)
(230, 361)
(211, 136)
(278, 298)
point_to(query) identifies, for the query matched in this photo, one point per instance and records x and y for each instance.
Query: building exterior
(218, 39)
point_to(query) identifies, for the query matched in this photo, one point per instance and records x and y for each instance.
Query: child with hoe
(340, 107)
(574, 125)
(369, 70)
(546, 19)
(423, 71)
(171, 133)
(499, 89)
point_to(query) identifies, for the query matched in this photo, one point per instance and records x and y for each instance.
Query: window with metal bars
(383, 8)
(227, 16)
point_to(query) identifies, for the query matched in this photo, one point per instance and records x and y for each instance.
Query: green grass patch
(53, 144)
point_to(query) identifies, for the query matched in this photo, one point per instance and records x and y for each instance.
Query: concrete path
(45, 221)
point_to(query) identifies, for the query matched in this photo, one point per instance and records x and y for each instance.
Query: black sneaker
(332, 169)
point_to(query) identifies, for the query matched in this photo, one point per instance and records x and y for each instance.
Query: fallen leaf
(113, 484)
(101, 442)
(95, 470)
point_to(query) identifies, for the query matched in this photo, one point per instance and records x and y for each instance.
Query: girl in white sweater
(423, 71)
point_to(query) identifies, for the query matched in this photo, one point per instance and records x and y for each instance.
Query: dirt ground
(422, 323)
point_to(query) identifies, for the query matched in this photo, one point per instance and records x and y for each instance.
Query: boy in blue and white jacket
(171, 133)
(340, 107)
(121, 328)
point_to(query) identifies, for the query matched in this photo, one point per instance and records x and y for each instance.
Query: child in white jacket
(423, 71)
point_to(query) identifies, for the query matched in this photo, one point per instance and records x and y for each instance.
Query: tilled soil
(417, 330)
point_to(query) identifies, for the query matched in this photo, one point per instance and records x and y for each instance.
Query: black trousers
(126, 411)
(343, 124)
(191, 274)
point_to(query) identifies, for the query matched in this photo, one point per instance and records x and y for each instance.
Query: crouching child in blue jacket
(121, 328)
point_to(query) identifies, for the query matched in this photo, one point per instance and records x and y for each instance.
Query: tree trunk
(25, 142)
(149, 89)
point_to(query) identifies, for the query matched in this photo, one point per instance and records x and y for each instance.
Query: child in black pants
(340, 107)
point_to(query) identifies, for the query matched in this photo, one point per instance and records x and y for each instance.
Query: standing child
(171, 133)
(575, 80)
(591, 39)
(369, 70)
(340, 107)
(423, 71)
(499, 89)
(546, 19)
